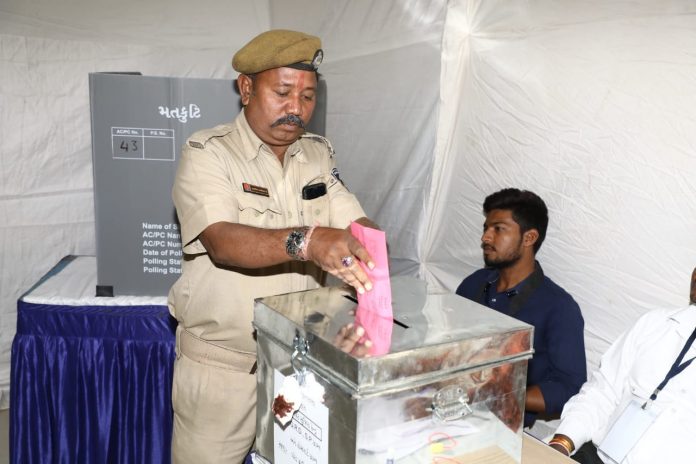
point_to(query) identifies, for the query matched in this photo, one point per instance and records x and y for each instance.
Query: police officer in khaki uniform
(262, 212)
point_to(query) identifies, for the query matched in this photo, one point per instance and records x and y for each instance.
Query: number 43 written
(129, 145)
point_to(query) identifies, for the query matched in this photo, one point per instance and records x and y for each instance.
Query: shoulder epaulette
(200, 138)
(320, 139)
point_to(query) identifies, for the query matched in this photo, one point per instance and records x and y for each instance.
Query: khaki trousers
(214, 407)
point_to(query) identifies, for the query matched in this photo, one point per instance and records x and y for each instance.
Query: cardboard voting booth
(139, 124)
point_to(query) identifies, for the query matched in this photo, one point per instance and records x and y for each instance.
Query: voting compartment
(452, 385)
(139, 124)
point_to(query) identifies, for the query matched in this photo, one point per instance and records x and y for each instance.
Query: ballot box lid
(435, 334)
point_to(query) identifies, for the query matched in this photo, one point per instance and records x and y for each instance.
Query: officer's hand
(337, 252)
(348, 339)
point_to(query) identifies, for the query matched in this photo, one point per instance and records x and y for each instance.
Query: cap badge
(318, 57)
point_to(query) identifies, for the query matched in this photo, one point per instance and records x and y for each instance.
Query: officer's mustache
(289, 119)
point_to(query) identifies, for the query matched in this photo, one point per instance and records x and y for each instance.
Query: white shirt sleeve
(588, 414)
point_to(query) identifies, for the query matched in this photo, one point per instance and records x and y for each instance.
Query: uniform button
(493, 300)
(289, 214)
(317, 212)
(257, 214)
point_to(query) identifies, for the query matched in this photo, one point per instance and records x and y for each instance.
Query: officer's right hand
(337, 252)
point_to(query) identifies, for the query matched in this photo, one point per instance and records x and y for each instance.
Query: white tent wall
(587, 103)
(382, 62)
(591, 105)
(47, 50)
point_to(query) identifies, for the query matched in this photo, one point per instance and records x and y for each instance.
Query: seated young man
(514, 283)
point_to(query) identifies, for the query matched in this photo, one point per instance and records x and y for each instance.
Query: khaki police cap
(279, 48)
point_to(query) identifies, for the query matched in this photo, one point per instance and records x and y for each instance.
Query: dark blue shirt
(558, 367)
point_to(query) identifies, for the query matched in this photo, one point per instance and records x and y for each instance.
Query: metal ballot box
(451, 388)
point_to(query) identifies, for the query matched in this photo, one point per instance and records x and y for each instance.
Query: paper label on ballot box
(305, 440)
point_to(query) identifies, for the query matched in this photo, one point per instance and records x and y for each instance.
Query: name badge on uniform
(626, 431)
(255, 189)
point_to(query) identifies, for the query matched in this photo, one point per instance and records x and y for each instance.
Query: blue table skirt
(91, 384)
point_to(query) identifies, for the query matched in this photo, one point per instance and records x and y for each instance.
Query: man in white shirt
(646, 388)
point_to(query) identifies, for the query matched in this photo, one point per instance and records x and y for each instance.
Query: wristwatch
(295, 243)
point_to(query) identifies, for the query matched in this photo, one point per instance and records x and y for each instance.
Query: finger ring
(347, 261)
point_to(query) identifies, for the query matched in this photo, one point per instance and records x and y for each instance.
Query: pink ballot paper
(374, 312)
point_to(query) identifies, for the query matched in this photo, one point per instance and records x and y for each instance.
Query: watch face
(294, 243)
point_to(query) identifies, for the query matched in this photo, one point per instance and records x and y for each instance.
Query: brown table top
(537, 452)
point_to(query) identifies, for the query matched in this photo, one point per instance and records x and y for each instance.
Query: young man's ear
(245, 85)
(530, 237)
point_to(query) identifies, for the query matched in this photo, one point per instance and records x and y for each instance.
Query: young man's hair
(528, 210)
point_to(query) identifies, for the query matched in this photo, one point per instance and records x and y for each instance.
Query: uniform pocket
(258, 211)
(316, 211)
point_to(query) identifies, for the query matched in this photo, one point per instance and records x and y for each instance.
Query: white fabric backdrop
(591, 105)
(432, 105)
(378, 123)
(47, 50)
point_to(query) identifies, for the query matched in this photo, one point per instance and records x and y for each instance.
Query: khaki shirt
(216, 303)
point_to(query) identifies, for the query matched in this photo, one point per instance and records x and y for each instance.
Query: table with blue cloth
(91, 377)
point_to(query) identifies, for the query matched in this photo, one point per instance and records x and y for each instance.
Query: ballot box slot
(397, 322)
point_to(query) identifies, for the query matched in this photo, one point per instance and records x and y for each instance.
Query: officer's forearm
(244, 246)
